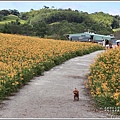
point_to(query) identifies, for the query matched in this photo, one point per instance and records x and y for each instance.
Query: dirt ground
(51, 95)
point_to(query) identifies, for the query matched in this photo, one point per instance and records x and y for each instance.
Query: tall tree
(40, 28)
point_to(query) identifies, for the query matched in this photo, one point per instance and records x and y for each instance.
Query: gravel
(51, 95)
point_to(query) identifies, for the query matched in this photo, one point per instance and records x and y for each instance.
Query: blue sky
(111, 7)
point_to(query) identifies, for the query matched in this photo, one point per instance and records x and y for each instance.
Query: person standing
(110, 45)
(107, 44)
(104, 42)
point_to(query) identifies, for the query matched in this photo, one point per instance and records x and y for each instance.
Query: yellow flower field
(23, 57)
(104, 78)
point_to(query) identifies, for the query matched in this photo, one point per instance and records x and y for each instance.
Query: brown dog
(76, 94)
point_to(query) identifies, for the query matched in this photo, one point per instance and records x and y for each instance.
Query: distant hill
(54, 23)
(10, 18)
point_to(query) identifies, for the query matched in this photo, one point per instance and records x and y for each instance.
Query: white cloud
(114, 12)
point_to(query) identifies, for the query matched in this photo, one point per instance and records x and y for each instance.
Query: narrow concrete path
(50, 96)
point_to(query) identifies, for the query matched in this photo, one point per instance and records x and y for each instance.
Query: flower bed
(23, 57)
(104, 78)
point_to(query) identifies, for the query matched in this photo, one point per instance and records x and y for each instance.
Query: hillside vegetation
(9, 19)
(54, 23)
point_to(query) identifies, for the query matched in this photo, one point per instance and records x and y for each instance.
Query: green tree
(40, 28)
(115, 24)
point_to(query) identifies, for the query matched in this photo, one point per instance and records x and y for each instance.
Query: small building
(89, 37)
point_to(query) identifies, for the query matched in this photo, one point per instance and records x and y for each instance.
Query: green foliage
(40, 28)
(9, 19)
(102, 18)
(54, 23)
